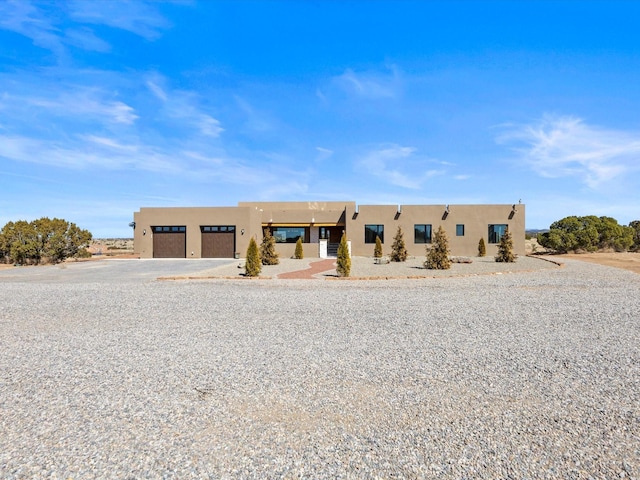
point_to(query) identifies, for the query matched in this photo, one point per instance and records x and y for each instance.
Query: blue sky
(109, 106)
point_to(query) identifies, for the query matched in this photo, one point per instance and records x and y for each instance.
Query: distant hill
(533, 231)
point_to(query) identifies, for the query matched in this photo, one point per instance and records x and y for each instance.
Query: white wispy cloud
(323, 154)
(46, 23)
(370, 84)
(185, 107)
(100, 153)
(380, 84)
(86, 39)
(87, 152)
(559, 146)
(264, 174)
(398, 166)
(24, 18)
(255, 120)
(77, 101)
(139, 17)
(156, 90)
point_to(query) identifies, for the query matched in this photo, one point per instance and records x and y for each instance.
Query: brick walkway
(313, 269)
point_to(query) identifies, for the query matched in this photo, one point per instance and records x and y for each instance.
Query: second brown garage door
(218, 241)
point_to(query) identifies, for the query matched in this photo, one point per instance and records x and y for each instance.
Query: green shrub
(438, 253)
(635, 229)
(343, 262)
(299, 253)
(482, 248)
(252, 265)
(377, 250)
(44, 239)
(398, 249)
(268, 254)
(505, 249)
(588, 233)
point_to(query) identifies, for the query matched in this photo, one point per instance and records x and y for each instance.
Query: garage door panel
(218, 244)
(169, 245)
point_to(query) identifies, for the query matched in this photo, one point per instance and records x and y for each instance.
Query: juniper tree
(482, 248)
(377, 250)
(299, 253)
(252, 264)
(438, 254)
(268, 254)
(635, 227)
(45, 239)
(505, 249)
(343, 263)
(398, 249)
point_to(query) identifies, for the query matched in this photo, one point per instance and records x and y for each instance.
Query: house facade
(224, 232)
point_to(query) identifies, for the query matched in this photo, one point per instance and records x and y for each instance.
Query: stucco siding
(249, 219)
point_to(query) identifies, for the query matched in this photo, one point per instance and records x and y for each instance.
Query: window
(496, 232)
(373, 231)
(422, 234)
(222, 228)
(460, 230)
(290, 234)
(169, 229)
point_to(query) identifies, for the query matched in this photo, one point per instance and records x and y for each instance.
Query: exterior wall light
(446, 212)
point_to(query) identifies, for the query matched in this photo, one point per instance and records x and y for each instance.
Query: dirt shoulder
(626, 260)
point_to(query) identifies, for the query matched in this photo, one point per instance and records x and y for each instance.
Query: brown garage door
(169, 242)
(218, 241)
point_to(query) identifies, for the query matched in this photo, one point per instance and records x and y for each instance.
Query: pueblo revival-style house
(224, 232)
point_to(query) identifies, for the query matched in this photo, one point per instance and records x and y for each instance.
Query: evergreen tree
(505, 249)
(438, 254)
(268, 253)
(344, 259)
(252, 264)
(299, 253)
(42, 240)
(635, 227)
(482, 248)
(398, 249)
(377, 250)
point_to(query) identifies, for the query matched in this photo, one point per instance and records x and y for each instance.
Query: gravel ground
(364, 267)
(534, 374)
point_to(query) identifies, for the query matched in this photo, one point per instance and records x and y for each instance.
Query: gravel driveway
(534, 374)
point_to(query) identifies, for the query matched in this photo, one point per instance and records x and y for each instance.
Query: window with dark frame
(496, 232)
(218, 228)
(373, 231)
(460, 230)
(290, 234)
(169, 229)
(422, 233)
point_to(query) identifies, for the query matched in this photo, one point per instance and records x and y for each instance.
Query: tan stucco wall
(475, 218)
(242, 218)
(299, 212)
(250, 216)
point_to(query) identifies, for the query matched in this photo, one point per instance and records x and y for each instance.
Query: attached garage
(218, 241)
(169, 241)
